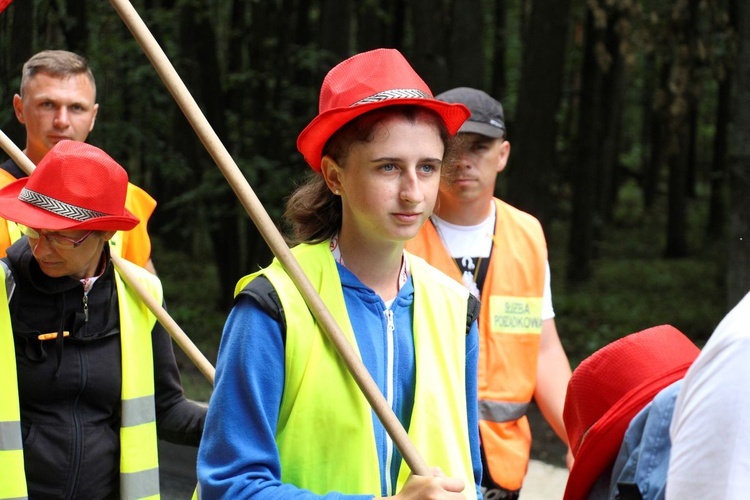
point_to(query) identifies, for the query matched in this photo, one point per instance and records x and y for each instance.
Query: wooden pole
(270, 233)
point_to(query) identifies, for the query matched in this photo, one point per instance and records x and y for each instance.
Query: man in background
(500, 254)
(57, 101)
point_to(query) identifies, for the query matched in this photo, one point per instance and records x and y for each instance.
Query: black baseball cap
(486, 112)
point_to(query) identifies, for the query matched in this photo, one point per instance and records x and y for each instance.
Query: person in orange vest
(57, 101)
(500, 254)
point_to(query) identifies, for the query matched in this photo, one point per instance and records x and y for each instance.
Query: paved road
(176, 471)
(543, 482)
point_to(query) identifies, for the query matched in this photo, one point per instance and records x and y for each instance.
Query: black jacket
(69, 389)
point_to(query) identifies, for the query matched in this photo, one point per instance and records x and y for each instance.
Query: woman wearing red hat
(96, 375)
(286, 418)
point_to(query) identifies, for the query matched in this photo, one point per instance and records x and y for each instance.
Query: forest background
(629, 124)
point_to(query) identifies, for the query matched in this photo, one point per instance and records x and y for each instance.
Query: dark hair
(312, 211)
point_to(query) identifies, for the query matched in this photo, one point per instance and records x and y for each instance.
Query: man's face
(53, 109)
(473, 176)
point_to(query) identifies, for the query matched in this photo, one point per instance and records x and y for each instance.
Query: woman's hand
(435, 487)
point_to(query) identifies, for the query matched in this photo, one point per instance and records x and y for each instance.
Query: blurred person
(710, 431)
(89, 375)
(57, 101)
(617, 412)
(500, 254)
(286, 419)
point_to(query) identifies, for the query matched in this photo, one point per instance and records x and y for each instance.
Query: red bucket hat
(367, 81)
(75, 186)
(609, 388)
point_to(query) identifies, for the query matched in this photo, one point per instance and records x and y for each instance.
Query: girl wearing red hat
(87, 374)
(286, 418)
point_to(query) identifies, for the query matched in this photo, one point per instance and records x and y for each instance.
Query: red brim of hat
(313, 138)
(13, 209)
(602, 441)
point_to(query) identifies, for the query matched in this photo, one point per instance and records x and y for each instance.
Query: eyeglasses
(55, 240)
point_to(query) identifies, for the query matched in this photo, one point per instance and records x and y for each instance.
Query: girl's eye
(389, 167)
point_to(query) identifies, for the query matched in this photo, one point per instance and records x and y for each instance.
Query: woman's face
(388, 185)
(79, 262)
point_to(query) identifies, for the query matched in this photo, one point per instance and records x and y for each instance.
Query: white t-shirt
(471, 245)
(710, 429)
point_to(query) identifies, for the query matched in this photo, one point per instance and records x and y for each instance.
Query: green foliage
(634, 287)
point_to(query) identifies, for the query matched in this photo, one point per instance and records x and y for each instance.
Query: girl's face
(388, 185)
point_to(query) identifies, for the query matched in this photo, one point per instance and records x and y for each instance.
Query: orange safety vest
(510, 325)
(135, 245)
(8, 234)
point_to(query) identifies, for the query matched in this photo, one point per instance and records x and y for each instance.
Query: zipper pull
(86, 308)
(389, 318)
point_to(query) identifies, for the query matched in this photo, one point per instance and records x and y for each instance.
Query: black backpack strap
(628, 491)
(472, 312)
(262, 291)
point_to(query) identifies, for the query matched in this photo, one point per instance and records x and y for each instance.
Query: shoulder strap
(472, 312)
(263, 292)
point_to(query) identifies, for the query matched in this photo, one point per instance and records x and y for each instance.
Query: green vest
(139, 461)
(323, 407)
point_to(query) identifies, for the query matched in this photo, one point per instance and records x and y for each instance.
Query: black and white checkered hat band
(394, 94)
(58, 207)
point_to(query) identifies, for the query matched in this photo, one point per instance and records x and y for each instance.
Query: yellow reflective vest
(139, 461)
(322, 405)
(510, 326)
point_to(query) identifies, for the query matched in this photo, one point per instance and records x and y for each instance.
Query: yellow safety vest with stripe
(325, 432)
(139, 460)
(510, 327)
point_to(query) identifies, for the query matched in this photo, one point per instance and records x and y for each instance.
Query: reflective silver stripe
(494, 411)
(16, 498)
(141, 484)
(10, 436)
(138, 411)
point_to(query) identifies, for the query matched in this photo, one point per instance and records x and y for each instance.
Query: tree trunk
(466, 59)
(650, 166)
(375, 25)
(738, 275)
(16, 29)
(499, 80)
(76, 28)
(429, 54)
(335, 27)
(682, 101)
(717, 210)
(610, 110)
(533, 161)
(581, 245)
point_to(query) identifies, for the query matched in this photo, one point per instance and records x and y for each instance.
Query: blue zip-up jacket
(238, 457)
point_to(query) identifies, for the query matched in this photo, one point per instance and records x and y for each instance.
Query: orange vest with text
(510, 325)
